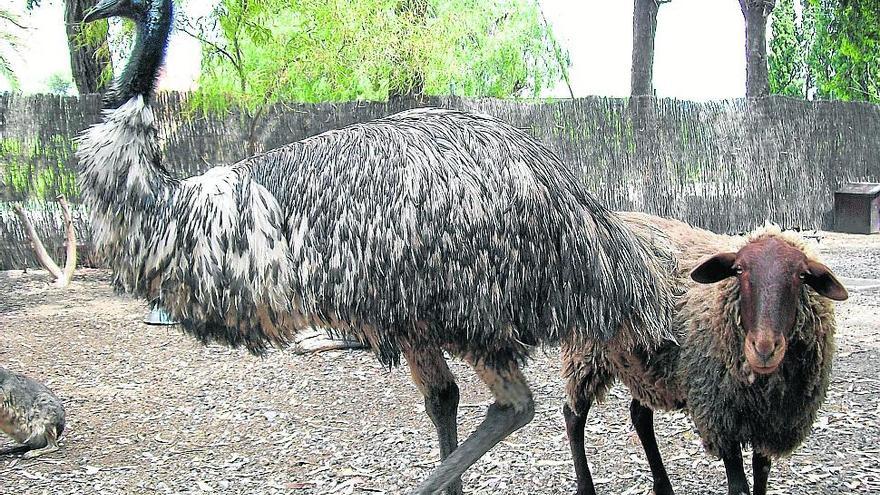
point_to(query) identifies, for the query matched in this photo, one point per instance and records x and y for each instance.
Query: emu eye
(802, 276)
(738, 270)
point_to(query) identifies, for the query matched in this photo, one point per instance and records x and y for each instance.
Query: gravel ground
(151, 411)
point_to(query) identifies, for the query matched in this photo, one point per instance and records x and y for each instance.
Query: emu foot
(38, 452)
(500, 421)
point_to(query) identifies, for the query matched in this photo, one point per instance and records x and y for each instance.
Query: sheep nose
(765, 348)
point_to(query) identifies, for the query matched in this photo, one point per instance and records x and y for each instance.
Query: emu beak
(103, 10)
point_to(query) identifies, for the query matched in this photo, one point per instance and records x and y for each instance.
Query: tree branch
(219, 49)
(70, 261)
(37, 245)
(558, 56)
(12, 19)
(62, 278)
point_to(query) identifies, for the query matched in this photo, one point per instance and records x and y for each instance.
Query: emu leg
(761, 469)
(513, 409)
(574, 426)
(643, 420)
(737, 484)
(437, 384)
(43, 444)
(20, 449)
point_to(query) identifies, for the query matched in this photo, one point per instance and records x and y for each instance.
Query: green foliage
(831, 52)
(59, 84)
(9, 40)
(845, 54)
(97, 34)
(786, 54)
(260, 53)
(94, 37)
(37, 168)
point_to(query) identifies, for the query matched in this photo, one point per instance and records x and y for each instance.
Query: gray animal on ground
(29, 413)
(425, 232)
(755, 327)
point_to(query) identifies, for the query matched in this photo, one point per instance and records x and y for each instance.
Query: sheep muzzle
(764, 350)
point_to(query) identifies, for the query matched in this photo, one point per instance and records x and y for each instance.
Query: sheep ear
(820, 278)
(715, 269)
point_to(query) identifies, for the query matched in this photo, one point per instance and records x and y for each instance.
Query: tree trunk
(643, 106)
(755, 13)
(87, 62)
(644, 30)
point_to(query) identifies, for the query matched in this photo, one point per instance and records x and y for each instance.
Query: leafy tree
(9, 28)
(786, 56)
(59, 84)
(259, 53)
(831, 52)
(89, 46)
(844, 53)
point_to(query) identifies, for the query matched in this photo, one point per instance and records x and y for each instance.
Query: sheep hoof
(454, 489)
(663, 489)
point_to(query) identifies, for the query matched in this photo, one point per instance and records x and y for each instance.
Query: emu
(29, 413)
(427, 231)
(755, 328)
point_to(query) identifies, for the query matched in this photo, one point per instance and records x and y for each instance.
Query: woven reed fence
(727, 165)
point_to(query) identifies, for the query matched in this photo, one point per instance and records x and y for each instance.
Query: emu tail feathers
(644, 267)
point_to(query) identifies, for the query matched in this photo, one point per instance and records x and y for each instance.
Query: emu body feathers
(430, 226)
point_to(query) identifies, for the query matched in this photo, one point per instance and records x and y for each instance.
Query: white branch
(62, 278)
(37, 245)
(70, 261)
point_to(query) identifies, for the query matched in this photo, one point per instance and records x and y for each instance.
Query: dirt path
(152, 411)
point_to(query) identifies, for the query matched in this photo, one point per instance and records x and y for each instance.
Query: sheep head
(771, 273)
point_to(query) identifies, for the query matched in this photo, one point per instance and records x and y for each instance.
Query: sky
(699, 53)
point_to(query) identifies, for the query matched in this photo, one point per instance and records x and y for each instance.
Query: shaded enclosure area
(727, 165)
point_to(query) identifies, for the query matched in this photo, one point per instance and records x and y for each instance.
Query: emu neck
(141, 71)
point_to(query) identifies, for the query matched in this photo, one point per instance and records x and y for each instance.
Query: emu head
(153, 20)
(771, 274)
(135, 10)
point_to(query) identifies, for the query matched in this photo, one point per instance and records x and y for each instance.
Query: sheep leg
(761, 470)
(588, 376)
(643, 420)
(513, 408)
(574, 426)
(737, 484)
(431, 375)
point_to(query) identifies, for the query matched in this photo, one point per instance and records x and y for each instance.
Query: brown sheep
(756, 337)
